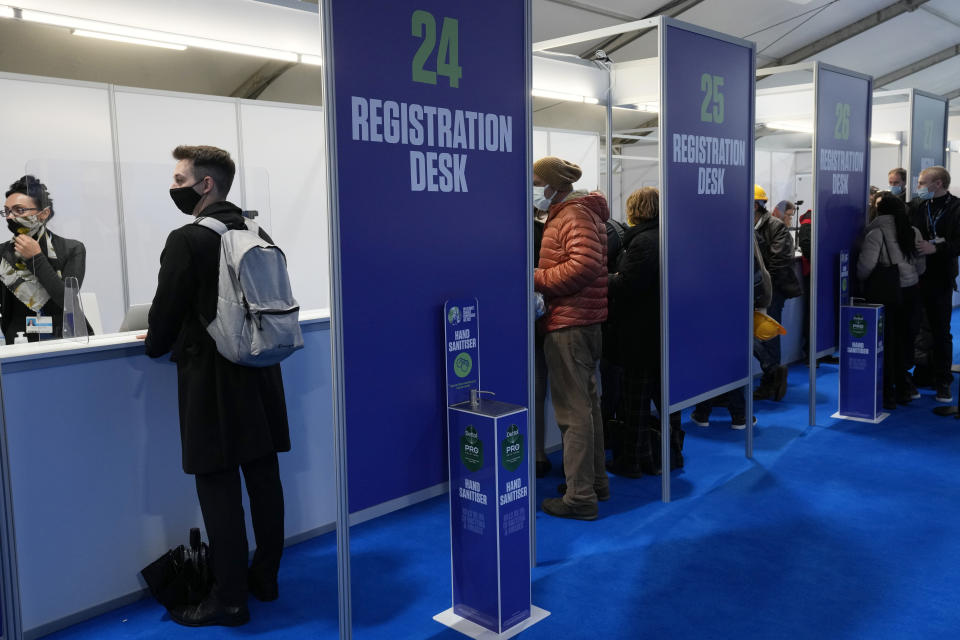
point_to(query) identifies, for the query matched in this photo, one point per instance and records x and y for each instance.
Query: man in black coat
(936, 213)
(231, 417)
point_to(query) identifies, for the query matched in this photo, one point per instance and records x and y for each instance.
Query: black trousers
(221, 502)
(937, 301)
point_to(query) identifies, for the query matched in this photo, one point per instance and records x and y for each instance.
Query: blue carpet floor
(843, 530)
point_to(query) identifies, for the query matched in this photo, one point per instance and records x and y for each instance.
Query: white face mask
(896, 189)
(30, 223)
(924, 194)
(540, 201)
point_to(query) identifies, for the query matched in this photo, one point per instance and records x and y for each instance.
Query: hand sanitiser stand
(489, 495)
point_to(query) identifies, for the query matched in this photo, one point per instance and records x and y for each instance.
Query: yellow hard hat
(766, 328)
(759, 193)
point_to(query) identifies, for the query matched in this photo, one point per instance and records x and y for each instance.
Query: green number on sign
(448, 57)
(424, 26)
(842, 129)
(711, 109)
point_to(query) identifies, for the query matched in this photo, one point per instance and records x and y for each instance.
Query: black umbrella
(182, 575)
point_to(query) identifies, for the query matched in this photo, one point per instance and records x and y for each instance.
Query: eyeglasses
(18, 210)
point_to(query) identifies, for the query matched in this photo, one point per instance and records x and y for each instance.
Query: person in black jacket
(231, 417)
(35, 262)
(776, 248)
(635, 290)
(936, 213)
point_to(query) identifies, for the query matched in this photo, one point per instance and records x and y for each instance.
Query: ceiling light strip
(158, 36)
(115, 38)
(557, 95)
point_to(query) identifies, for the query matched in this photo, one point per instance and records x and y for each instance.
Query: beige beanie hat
(556, 172)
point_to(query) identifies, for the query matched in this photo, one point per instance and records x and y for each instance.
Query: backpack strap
(212, 223)
(619, 228)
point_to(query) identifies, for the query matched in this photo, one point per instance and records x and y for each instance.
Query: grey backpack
(257, 322)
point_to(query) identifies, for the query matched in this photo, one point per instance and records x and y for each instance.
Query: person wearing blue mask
(897, 180)
(936, 213)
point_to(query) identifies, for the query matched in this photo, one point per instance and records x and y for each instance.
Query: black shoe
(699, 419)
(943, 394)
(602, 494)
(543, 468)
(623, 467)
(264, 591)
(911, 388)
(762, 392)
(211, 612)
(557, 507)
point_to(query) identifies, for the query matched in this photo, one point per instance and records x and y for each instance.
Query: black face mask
(14, 226)
(186, 198)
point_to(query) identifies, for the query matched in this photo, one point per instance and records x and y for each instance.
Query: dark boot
(650, 452)
(766, 389)
(625, 461)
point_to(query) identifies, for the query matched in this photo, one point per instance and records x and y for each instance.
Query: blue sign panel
(861, 361)
(708, 145)
(462, 330)
(844, 284)
(489, 514)
(433, 204)
(928, 136)
(841, 160)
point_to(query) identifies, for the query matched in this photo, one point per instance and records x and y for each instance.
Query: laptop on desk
(136, 318)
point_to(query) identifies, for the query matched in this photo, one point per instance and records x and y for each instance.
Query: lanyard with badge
(38, 323)
(932, 221)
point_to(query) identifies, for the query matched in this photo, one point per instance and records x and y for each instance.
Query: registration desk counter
(97, 488)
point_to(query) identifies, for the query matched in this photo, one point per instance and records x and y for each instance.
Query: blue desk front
(97, 487)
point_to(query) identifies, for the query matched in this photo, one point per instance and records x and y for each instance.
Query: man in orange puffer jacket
(572, 276)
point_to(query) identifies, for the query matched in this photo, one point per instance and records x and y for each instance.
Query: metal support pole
(336, 331)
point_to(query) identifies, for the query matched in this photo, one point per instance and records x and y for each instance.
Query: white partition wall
(148, 127)
(104, 152)
(284, 169)
(581, 147)
(63, 138)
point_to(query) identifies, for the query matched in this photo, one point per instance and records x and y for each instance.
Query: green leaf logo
(471, 449)
(858, 326)
(463, 365)
(511, 449)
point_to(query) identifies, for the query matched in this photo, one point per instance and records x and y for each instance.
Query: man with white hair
(936, 213)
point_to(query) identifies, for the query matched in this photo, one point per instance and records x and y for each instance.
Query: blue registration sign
(431, 200)
(841, 157)
(928, 135)
(707, 153)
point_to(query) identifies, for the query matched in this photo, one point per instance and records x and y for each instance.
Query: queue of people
(601, 287)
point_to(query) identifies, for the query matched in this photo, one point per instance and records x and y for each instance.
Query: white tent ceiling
(877, 37)
(920, 39)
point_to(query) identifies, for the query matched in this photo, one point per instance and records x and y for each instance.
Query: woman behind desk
(34, 263)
